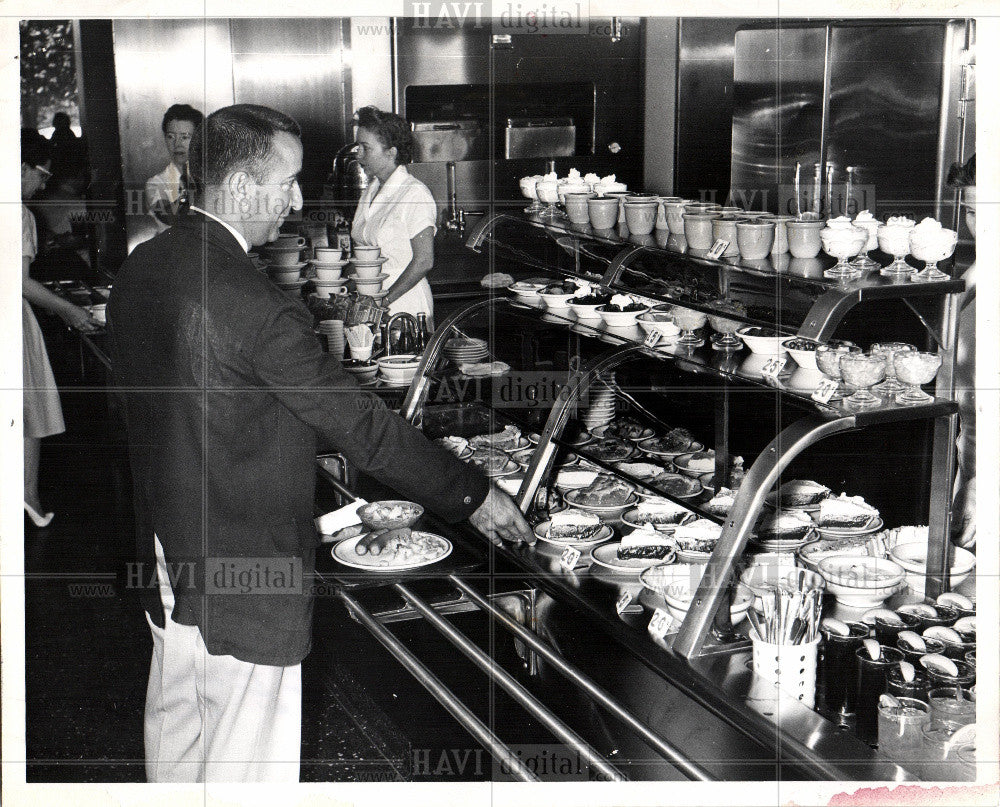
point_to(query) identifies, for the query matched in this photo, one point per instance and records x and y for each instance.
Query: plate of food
(798, 494)
(506, 440)
(573, 527)
(674, 442)
(696, 540)
(494, 463)
(605, 496)
(458, 446)
(610, 449)
(844, 516)
(662, 516)
(677, 485)
(695, 463)
(625, 428)
(410, 549)
(626, 556)
(640, 470)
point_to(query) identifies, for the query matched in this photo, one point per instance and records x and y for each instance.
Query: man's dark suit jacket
(226, 396)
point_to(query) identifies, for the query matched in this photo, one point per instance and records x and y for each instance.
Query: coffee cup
(290, 240)
(328, 254)
(366, 253)
(286, 258)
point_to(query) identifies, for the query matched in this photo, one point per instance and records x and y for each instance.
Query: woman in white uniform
(396, 213)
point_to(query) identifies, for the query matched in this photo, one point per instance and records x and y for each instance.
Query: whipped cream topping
(608, 180)
(550, 176)
(574, 518)
(899, 221)
(621, 300)
(591, 178)
(573, 175)
(841, 222)
(863, 216)
(646, 535)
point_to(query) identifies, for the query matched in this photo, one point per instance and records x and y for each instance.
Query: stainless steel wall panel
(885, 107)
(297, 66)
(778, 110)
(159, 63)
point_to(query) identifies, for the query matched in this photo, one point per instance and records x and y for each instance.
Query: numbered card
(824, 390)
(623, 601)
(773, 366)
(569, 558)
(660, 623)
(718, 248)
(652, 338)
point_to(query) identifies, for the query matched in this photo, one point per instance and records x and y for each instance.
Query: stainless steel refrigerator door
(778, 113)
(884, 115)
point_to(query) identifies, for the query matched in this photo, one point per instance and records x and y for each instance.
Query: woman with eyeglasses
(42, 411)
(166, 191)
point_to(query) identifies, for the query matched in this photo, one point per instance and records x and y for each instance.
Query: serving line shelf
(695, 715)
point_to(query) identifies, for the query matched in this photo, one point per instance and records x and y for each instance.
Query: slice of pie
(571, 524)
(845, 511)
(645, 543)
(698, 536)
(606, 491)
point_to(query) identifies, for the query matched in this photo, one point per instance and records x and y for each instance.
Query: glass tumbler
(900, 728)
(871, 684)
(839, 668)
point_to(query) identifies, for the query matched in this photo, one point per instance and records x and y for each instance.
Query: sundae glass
(894, 239)
(930, 242)
(547, 189)
(914, 369)
(725, 329)
(861, 372)
(890, 350)
(529, 191)
(842, 240)
(688, 321)
(870, 224)
(828, 357)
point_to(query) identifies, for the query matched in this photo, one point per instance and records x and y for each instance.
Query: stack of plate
(601, 409)
(466, 351)
(333, 330)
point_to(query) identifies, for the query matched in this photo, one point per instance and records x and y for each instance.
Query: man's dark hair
(390, 129)
(35, 149)
(60, 121)
(962, 176)
(182, 112)
(236, 138)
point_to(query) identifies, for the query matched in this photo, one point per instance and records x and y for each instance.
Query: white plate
(367, 280)
(343, 552)
(848, 532)
(681, 461)
(771, 500)
(386, 383)
(573, 498)
(510, 468)
(603, 534)
(655, 452)
(607, 556)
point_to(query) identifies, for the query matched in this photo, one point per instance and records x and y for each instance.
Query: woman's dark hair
(236, 138)
(962, 176)
(390, 129)
(182, 112)
(35, 149)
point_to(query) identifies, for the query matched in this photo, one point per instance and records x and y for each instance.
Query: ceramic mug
(287, 258)
(577, 208)
(803, 237)
(603, 212)
(640, 216)
(698, 228)
(328, 254)
(755, 238)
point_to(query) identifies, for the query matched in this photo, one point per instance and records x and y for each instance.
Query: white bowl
(912, 557)
(805, 359)
(399, 369)
(559, 300)
(621, 319)
(762, 345)
(665, 326)
(677, 582)
(586, 311)
(861, 581)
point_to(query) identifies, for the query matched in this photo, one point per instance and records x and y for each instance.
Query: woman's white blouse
(404, 208)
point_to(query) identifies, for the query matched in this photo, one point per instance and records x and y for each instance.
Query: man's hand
(375, 543)
(498, 518)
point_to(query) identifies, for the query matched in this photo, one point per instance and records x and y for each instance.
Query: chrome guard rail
(690, 769)
(506, 682)
(499, 750)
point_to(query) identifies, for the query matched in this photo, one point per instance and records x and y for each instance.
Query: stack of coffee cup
(333, 330)
(368, 277)
(328, 266)
(284, 267)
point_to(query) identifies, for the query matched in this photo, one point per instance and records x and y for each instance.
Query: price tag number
(660, 623)
(569, 558)
(824, 390)
(773, 366)
(718, 248)
(623, 601)
(652, 338)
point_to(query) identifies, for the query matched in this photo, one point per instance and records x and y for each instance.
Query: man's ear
(239, 185)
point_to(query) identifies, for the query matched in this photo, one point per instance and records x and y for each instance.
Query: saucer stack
(601, 408)
(368, 275)
(333, 330)
(466, 351)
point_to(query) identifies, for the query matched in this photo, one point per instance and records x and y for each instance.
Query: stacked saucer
(465, 351)
(601, 408)
(370, 286)
(333, 330)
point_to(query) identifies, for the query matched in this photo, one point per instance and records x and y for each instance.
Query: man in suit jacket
(227, 397)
